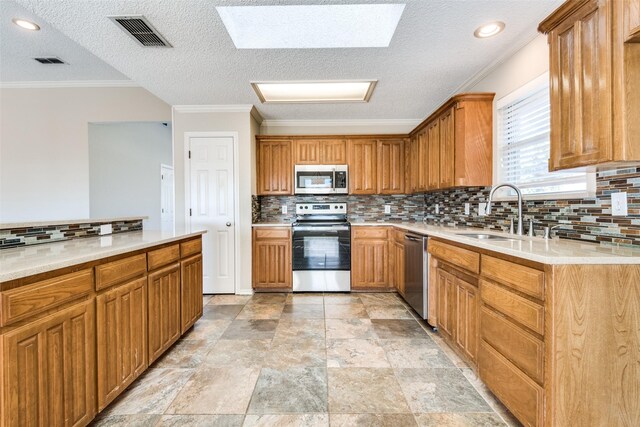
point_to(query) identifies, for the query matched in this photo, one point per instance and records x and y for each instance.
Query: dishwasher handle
(413, 239)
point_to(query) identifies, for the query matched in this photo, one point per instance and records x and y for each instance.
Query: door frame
(236, 190)
(164, 167)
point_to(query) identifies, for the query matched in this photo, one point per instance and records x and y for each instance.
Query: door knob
(228, 224)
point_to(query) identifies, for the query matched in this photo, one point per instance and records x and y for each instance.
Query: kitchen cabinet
(191, 291)
(164, 309)
(272, 265)
(333, 152)
(447, 149)
(274, 167)
(306, 152)
(363, 166)
(466, 318)
(419, 162)
(632, 21)
(369, 258)
(49, 370)
(432, 156)
(391, 166)
(594, 82)
(121, 328)
(320, 151)
(397, 254)
(446, 285)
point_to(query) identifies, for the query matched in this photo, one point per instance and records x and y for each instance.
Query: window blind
(524, 142)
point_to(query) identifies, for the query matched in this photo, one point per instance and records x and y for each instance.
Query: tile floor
(308, 360)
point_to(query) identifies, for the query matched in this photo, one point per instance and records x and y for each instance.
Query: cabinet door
(121, 328)
(333, 152)
(581, 88)
(422, 161)
(191, 291)
(369, 263)
(466, 322)
(306, 152)
(434, 155)
(447, 149)
(363, 175)
(413, 178)
(399, 263)
(446, 302)
(275, 169)
(49, 370)
(271, 263)
(391, 166)
(632, 20)
(164, 309)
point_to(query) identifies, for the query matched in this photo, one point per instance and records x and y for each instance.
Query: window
(524, 144)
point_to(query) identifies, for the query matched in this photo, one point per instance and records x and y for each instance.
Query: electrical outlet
(284, 209)
(482, 209)
(437, 208)
(467, 208)
(387, 209)
(619, 204)
(105, 229)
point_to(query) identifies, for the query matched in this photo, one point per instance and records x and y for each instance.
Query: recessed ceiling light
(311, 26)
(315, 92)
(488, 30)
(27, 25)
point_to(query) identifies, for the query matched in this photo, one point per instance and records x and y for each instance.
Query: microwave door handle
(333, 181)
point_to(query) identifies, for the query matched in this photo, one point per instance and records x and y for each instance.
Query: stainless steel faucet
(519, 193)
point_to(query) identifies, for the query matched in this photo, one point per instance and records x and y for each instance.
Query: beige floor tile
(365, 390)
(355, 353)
(459, 420)
(238, 353)
(216, 391)
(303, 311)
(312, 298)
(184, 354)
(261, 311)
(415, 353)
(345, 311)
(229, 299)
(268, 298)
(349, 328)
(201, 421)
(300, 328)
(126, 421)
(228, 312)
(333, 299)
(254, 329)
(382, 298)
(303, 420)
(398, 329)
(490, 398)
(206, 329)
(388, 312)
(372, 420)
(292, 390)
(290, 353)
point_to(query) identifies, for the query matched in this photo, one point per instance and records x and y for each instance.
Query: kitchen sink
(482, 236)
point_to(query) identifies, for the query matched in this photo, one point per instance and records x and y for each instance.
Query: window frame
(502, 195)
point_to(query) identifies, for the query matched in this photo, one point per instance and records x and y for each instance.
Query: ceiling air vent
(141, 30)
(51, 60)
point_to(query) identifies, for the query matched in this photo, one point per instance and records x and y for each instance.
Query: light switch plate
(467, 208)
(619, 204)
(387, 209)
(284, 209)
(437, 208)
(482, 209)
(106, 229)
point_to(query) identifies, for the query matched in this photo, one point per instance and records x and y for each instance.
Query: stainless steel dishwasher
(416, 273)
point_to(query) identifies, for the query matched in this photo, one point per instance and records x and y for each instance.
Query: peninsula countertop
(554, 251)
(23, 261)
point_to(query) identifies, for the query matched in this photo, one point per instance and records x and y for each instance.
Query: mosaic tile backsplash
(587, 219)
(10, 238)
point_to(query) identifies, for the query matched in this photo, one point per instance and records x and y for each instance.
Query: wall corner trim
(231, 108)
(332, 123)
(67, 84)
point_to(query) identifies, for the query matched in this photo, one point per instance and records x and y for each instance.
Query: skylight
(311, 26)
(315, 92)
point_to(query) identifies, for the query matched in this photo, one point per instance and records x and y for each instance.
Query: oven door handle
(321, 228)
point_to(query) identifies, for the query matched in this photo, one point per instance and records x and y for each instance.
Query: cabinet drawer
(24, 302)
(163, 256)
(190, 248)
(518, 392)
(456, 256)
(115, 272)
(272, 233)
(524, 279)
(369, 232)
(520, 309)
(398, 236)
(523, 349)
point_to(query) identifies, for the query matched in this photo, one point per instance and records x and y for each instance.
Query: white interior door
(166, 198)
(212, 209)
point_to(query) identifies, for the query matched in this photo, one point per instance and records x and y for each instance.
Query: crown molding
(67, 84)
(239, 108)
(333, 123)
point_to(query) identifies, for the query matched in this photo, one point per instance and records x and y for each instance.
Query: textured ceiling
(18, 47)
(431, 54)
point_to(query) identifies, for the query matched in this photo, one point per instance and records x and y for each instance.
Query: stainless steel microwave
(321, 179)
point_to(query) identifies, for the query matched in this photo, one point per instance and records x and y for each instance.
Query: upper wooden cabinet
(274, 167)
(453, 146)
(363, 166)
(320, 151)
(391, 172)
(594, 82)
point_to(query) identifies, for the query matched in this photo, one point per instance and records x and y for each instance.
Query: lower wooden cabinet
(164, 309)
(370, 258)
(121, 338)
(191, 290)
(446, 286)
(398, 266)
(272, 258)
(466, 321)
(49, 370)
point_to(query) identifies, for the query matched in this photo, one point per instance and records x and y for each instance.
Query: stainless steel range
(321, 248)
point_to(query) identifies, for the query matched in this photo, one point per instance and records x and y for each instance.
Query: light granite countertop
(24, 261)
(271, 224)
(12, 225)
(553, 251)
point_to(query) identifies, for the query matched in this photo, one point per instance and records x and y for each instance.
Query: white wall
(221, 122)
(124, 169)
(44, 150)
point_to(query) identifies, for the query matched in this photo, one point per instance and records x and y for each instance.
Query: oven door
(320, 247)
